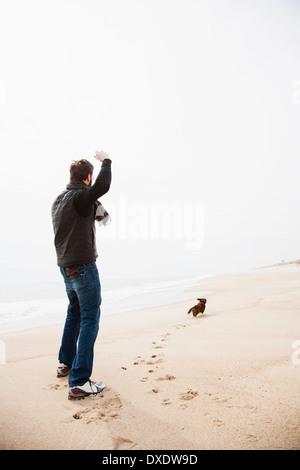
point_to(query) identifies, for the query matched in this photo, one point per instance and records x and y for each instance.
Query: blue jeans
(82, 322)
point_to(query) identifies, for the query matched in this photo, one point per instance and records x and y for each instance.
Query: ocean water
(31, 305)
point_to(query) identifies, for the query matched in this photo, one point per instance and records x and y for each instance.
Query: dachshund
(198, 308)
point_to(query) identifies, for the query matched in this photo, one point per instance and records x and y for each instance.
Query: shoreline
(36, 312)
(225, 380)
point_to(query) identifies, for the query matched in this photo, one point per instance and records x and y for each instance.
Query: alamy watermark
(296, 92)
(2, 352)
(296, 354)
(2, 92)
(156, 221)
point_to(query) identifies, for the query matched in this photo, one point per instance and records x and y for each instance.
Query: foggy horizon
(196, 103)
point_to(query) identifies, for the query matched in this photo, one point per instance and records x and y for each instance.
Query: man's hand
(101, 156)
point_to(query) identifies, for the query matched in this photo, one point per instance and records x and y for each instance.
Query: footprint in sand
(220, 400)
(167, 377)
(218, 422)
(166, 401)
(104, 407)
(79, 414)
(58, 386)
(188, 395)
(151, 362)
(109, 409)
(160, 346)
(138, 361)
(251, 437)
(121, 443)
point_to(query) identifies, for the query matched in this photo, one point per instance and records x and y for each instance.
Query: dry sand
(228, 379)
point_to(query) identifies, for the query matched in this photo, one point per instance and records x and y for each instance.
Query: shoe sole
(79, 394)
(81, 397)
(63, 374)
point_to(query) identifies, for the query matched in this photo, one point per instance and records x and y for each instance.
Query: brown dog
(198, 308)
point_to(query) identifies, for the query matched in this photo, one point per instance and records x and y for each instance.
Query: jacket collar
(78, 185)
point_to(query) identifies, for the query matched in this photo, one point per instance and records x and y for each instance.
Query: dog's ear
(202, 300)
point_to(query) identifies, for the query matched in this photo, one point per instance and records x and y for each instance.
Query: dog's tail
(190, 310)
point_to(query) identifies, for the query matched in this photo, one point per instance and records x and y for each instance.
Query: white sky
(196, 101)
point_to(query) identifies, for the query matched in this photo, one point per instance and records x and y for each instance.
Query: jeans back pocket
(80, 282)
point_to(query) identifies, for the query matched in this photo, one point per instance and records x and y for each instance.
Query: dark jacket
(73, 218)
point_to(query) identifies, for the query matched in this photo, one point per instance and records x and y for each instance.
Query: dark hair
(79, 171)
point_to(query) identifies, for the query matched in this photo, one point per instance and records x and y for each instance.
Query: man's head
(81, 171)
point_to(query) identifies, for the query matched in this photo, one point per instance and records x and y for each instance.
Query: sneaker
(63, 370)
(88, 389)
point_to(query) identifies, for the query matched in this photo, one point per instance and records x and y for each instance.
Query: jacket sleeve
(86, 197)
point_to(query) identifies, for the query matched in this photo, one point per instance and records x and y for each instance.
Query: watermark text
(154, 221)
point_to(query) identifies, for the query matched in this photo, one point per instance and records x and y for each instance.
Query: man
(73, 217)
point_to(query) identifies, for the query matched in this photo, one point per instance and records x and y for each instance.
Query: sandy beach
(229, 379)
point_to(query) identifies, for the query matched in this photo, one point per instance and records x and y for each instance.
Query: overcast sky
(197, 102)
